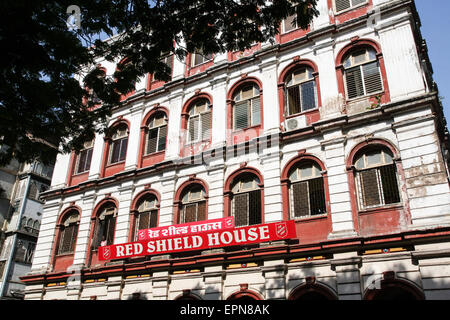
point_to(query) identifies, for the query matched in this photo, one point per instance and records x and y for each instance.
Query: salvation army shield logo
(106, 252)
(281, 230)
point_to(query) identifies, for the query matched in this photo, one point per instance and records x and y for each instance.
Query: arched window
(246, 206)
(157, 133)
(199, 121)
(301, 91)
(68, 233)
(193, 204)
(247, 106)
(147, 214)
(118, 146)
(306, 192)
(376, 178)
(84, 157)
(362, 74)
(105, 224)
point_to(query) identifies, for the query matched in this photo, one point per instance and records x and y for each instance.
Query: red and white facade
(337, 128)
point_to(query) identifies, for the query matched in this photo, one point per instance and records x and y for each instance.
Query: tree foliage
(43, 104)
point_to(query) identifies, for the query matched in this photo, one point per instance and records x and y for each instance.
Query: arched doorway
(394, 289)
(312, 291)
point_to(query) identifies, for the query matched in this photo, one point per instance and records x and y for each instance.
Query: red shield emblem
(281, 230)
(106, 252)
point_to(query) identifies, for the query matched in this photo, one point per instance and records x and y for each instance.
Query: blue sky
(434, 16)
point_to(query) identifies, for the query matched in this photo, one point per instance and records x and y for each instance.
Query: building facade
(21, 213)
(338, 127)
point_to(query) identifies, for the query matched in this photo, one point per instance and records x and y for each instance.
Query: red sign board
(186, 228)
(201, 241)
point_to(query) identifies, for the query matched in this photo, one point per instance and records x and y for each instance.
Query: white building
(338, 127)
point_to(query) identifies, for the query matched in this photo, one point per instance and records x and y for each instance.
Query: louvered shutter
(162, 138)
(300, 199)
(88, 159)
(290, 23)
(342, 5)
(241, 119)
(152, 141)
(240, 202)
(369, 187)
(390, 186)
(354, 82)
(206, 125)
(254, 203)
(293, 98)
(190, 211)
(153, 219)
(201, 211)
(144, 218)
(193, 128)
(66, 245)
(372, 77)
(316, 196)
(308, 95)
(256, 111)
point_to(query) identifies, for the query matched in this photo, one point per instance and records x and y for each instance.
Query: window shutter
(162, 138)
(115, 146)
(342, 5)
(390, 186)
(123, 149)
(317, 196)
(369, 188)
(308, 95)
(240, 115)
(300, 199)
(256, 111)
(293, 98)
(153, 219)
(144, 218)
(109, 226)
(152, 141)
(190, 211)
(372, 77)
(88, 159)
(193, 128)
(240, 202)
(81, 161)
(254, 212)
(354, 82)
(206, 125)
(201, 211)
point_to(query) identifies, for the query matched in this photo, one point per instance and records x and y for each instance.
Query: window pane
(290, 23)
(190, 213)
(81, 161)
(373, 158)
(308, 95)
(390, 186)
(143, 220)
(201, 211)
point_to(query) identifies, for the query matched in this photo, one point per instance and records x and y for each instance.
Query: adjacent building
(338, 127)
(21, 210)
